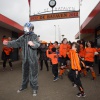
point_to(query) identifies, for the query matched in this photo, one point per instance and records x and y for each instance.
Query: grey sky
(18, 10)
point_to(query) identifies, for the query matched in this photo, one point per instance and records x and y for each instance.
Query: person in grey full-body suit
(29, 44)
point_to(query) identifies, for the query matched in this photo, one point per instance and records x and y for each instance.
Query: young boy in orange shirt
(54, 60)
(74, 74)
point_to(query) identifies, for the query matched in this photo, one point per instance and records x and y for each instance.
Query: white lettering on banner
(56, 9)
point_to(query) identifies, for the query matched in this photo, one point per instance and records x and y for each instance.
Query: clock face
(52, 3)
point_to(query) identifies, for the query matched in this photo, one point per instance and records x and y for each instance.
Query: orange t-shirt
(50, 47)
(53, 57)
(7, 50)
(89, 54)
(64, 49)
(75, 61)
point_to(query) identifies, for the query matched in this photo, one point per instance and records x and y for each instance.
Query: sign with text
(53, 16)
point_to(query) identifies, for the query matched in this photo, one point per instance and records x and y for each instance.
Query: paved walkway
(10, 82)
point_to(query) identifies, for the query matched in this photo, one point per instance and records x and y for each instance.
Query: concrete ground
(62, 89)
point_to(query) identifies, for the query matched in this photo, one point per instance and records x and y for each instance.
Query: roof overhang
(92, 21)
(10, 24)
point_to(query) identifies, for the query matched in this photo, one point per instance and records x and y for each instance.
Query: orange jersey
(82, 51)
(7, 50)
(64, 49)
(50, 47)
(89, 54)
(53, 57)
(75, 62)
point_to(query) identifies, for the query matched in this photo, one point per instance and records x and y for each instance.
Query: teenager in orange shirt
(54, 60)
(63, 51)
(74, 74)
(90, 52)
(7, 55)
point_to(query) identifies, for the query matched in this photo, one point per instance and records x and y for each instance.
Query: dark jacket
(28, 52)
(42, 51)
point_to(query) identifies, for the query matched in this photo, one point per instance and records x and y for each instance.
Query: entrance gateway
(52, 16)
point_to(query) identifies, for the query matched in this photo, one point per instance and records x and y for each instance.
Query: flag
(29, 2)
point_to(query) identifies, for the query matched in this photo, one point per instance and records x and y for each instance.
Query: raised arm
(14, 43)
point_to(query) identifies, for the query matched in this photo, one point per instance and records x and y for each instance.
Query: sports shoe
(74, 85)
(81, 95)
(34, 92)
(78, 94)
(55, 79)
(20, 90)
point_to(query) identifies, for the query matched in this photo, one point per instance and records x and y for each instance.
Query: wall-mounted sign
(53, 16)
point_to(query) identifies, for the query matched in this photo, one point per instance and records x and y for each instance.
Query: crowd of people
(74, 58)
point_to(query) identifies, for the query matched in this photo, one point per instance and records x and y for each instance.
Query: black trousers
(75, 79)
(55, 70)
(46, 63)
(7, 57)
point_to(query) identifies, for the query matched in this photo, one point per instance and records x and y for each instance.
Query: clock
(52, 3)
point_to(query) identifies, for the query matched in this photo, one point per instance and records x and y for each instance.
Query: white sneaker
(34, 92)
(20, 90)
(55, 79)
(81, 95)
(74, 85)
